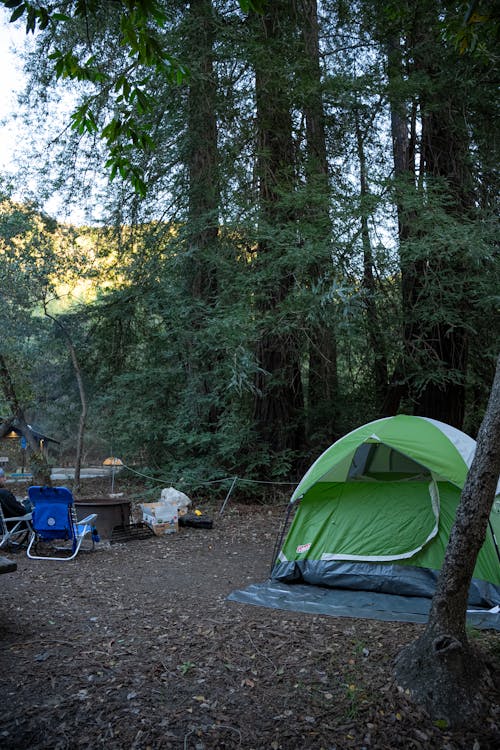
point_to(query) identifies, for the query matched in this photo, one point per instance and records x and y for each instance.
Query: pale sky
(12, 37)
(15, 137)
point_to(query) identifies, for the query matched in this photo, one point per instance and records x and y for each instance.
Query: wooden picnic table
(7, 566)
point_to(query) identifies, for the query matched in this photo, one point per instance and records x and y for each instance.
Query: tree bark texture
(279, 401)
(323, 380)
(202, 162)
(435, 347)
(404, 180)
(441, 668)
(445, 156)
(375, 333)
(82, 394)
(201, 152)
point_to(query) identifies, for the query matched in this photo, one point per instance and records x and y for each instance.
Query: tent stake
(235, 479)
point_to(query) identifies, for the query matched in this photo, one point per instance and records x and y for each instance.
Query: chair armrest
(87, 519)
(26, 517)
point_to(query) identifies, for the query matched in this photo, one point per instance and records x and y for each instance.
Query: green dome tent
(376, 509)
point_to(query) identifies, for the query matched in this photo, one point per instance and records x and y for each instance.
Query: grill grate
(133, 531)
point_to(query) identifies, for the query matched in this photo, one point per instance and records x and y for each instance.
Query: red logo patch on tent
(303, 548)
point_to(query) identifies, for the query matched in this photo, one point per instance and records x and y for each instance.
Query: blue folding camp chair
(14, 530)
(54, 520)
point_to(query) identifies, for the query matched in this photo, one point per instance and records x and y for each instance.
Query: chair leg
(16, 536)
(33, 556)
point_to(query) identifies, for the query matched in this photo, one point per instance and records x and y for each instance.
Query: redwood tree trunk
(404, 183)
(323, 380)
(375, 333)
(279, 403)
(201, 152)
(433, 368)
(441, 668)
(445, 157)
(202, 232)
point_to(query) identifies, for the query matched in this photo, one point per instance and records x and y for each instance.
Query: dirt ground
(135, 646)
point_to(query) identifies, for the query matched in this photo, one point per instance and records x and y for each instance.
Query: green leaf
(441, 724)
(43, 18)
(17, 13)
(257, 6)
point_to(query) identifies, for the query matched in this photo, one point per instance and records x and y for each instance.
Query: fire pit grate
(133, 531)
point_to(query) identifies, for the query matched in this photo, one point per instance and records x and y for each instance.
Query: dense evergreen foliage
(310, 243)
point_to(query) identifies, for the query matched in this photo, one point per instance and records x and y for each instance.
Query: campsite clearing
(136, 646)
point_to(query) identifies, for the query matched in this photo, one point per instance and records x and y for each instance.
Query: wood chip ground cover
(135, 646)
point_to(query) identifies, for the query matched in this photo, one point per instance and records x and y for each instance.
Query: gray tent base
(368, 605)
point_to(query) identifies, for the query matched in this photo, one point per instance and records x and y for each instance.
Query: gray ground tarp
(345, 603)
(383, 578)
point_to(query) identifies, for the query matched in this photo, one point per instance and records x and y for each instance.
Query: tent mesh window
(379, 461)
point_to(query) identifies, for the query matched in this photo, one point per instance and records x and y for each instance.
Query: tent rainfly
(376, 509)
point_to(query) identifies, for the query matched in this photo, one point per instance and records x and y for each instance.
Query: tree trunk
(445, 157)
(441, 668)
(202, 231)
(375, 334)
(201, 153)
(404, 182)
(83, 397)
(433, 368)
(323, 379)
(279, 403)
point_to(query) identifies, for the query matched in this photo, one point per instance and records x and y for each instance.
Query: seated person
(11, 507)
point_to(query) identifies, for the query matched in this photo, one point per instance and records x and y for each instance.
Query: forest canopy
(300, 234)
